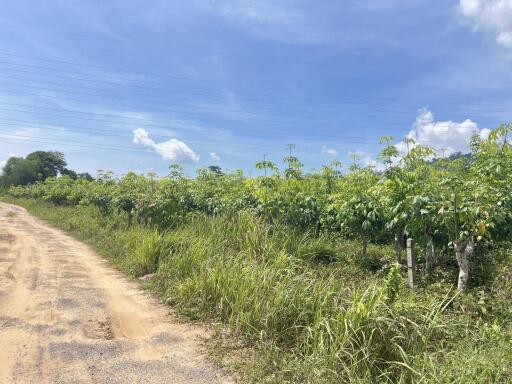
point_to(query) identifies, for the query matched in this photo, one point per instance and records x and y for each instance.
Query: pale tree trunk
(398, 246)
(365, 246)
(430, 255)
(463, 249)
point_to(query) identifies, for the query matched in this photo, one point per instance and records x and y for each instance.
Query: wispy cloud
(285, 21)
(92, 18)
(173, 149)
(214, 156)
(493, 16)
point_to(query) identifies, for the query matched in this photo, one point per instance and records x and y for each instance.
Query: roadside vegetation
(303, 273)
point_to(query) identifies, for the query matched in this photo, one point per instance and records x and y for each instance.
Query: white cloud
(214, 156)
(329, 152)
(493, 16)
(446, 137)
(173, 149)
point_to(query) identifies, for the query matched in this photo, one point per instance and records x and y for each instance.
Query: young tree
(423, 223)
(267, 165)
(330, 173)
(363, 216)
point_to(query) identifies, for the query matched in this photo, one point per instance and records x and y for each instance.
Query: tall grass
(307, 305)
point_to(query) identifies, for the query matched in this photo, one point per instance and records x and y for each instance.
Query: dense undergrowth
(298, 307)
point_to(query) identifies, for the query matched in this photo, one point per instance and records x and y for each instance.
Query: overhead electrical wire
(254, 86)
(305, 108)
(130, 136)
(282, 135)
(226, 115)
(134, 126)
(32, 138)
(186, 108)
(260, 146)
(307, 117)
(335, 104)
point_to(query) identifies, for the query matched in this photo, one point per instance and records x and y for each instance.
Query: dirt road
(67, 317)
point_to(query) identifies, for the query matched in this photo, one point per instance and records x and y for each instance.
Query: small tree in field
(467, 214)
(362, 215)
(126, 198)
(330, 173)
(423, 222)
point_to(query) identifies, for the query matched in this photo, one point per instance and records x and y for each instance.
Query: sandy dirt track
(68, 317)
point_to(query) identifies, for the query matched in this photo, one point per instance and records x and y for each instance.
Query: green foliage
(393, 284)
(47, 164)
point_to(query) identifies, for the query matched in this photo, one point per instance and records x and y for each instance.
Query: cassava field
(303, 276)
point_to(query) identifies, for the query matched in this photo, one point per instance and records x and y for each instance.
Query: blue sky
(132, 85)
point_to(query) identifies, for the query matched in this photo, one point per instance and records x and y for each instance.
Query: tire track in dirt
(68, 317)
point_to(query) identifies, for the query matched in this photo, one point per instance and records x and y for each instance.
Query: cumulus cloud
(329, 152)
(445, 136)
(492, 16)
(214, 156)
(173, 149)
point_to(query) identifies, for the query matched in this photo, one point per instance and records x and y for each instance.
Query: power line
(107, 133)
(88, 129)
(161, 75)
(43, 140)
(159, 89)
(351, 106)
(80, 144)
(259, 133)
(195, 141)
(156, 97)
(235, 115)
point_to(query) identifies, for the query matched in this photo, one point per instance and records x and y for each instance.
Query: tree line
(36, 167)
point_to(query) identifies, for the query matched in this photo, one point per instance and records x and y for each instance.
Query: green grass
(294, 308)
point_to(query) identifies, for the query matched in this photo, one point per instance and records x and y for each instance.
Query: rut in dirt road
(67, 317)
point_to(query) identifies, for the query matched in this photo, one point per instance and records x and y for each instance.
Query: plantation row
(448, 205)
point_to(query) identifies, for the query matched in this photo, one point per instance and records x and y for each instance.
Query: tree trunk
(365, 246)
(429, 255)
(463, 249)
(130, 219)
(398, 246)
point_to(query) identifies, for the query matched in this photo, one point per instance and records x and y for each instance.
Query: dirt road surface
(67, 317)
